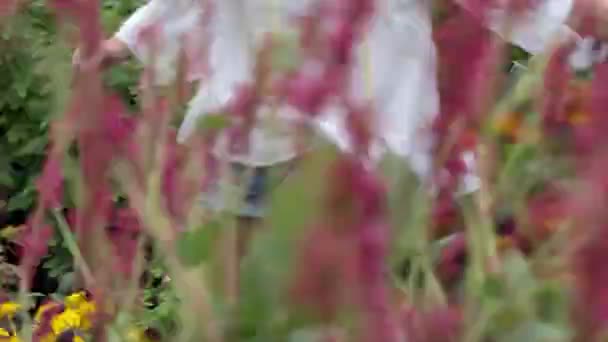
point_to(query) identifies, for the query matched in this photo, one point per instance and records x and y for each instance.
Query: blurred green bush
(34, 85)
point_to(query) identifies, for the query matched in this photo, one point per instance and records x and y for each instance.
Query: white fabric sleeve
(174, 20)
(130, 30)
(395, 69)
(537, 29)
(231, 60)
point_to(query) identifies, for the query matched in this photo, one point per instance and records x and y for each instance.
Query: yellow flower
(81, 303)
(508, 125)
(69, 319)
(134, 335)
(75, 300)
(7, 336)
(44, 308)
(140, 335)
(9, 309)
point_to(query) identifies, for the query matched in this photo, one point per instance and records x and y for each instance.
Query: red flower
(463, 45)
(591, 138)
(547, 211)
(442, 324)
(180, 186)
(307, 89)
(591, 308)
(359, 126)
(243, 110)
(50, 183)
(445, 215)
(554, 93)
(326, 271)
(453, 258)
(33, 245)
(8, 7)
(123, 231)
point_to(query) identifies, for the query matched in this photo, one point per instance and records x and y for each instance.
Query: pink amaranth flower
(50, 182)
(373, 274)
(33, 246)
(591, 306)
(452, 260)
(547, 211)
(442, 324)
(557, 77)
(9, 7)
(307, 89)
(591, 137)
(359, 126)
(123, 231)
(326, 271)
(182, 178)
(243, 108)
(357, 204)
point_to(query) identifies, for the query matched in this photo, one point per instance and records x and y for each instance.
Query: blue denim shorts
(260, 181)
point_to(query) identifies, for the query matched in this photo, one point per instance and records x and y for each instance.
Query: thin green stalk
(70, 241)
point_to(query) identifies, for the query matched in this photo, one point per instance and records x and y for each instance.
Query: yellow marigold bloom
(134, 335)
(44, 308)
(141, 335)
(9, 309)
(76, 300)
(87, 312)
(85, 307)
(508, 124)
(7, 336)
(69, 319)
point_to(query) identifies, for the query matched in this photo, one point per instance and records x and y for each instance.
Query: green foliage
(34, 88)
(24, 103)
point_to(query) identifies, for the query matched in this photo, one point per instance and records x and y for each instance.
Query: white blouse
(398, 50)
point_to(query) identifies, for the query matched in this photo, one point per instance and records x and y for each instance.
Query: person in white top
(401, 54)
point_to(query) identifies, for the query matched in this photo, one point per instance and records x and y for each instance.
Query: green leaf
(517, 272)
(267, 269)
(36, 145)
(285, 57)
(6, 178)
(21, 201)
(194, 247)
(213, 122)
(536, 332)
(551, 302)
(306, 335)
(494, 288)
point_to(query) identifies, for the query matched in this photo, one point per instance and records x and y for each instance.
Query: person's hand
(110, 51)
(79, 63)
